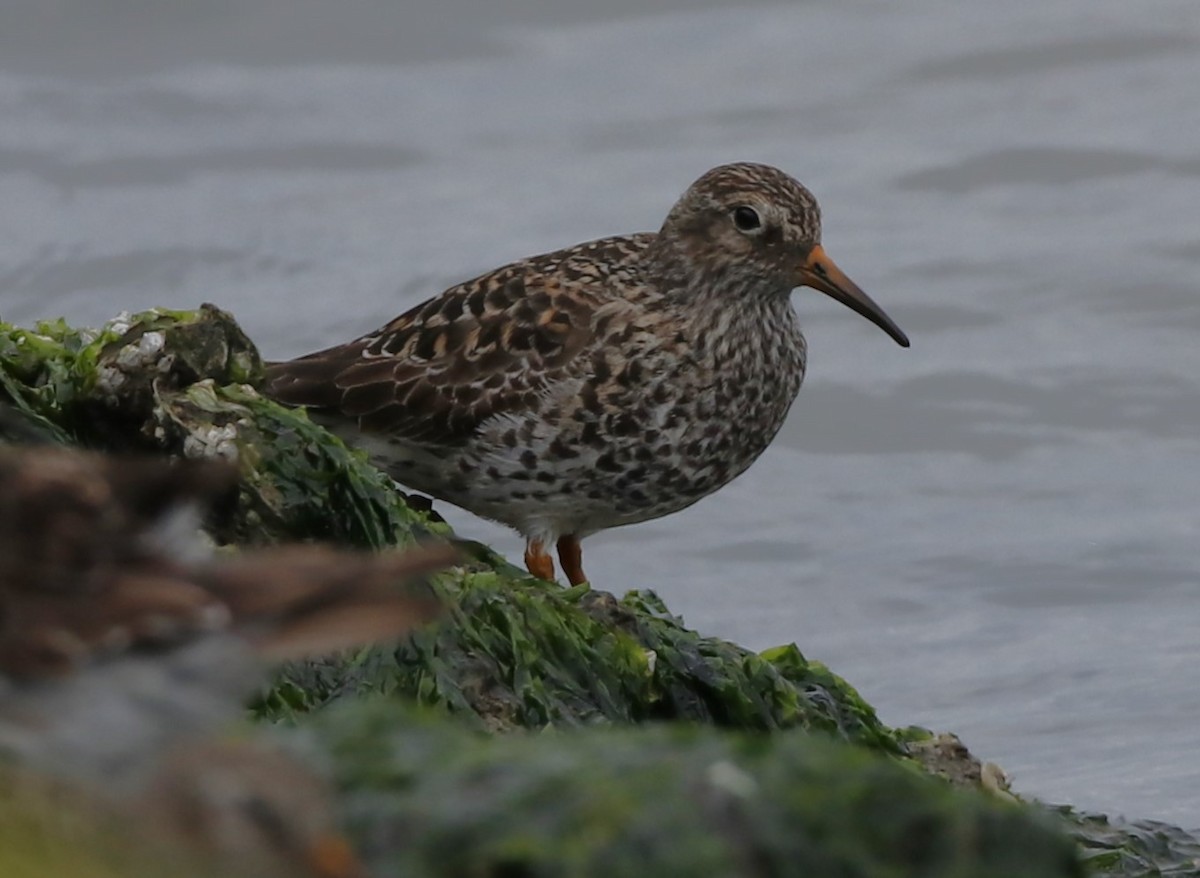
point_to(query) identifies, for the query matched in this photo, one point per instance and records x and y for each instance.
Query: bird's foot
(570, 556)
(538, 560)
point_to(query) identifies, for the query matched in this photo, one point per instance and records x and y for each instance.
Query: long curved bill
(821, 273)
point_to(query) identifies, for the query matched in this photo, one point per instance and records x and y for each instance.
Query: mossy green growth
(425, 796)
(516, 652)
(299, 482)
(180, 382)
(82, 379)
(37, 374)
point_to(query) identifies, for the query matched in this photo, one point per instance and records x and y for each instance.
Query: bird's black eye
(746, 218)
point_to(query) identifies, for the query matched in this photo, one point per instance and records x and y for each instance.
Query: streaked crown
(746, 221)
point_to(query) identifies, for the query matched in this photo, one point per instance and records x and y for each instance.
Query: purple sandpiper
(605, 384)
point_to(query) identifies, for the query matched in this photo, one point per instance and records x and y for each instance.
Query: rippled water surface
(993, 532)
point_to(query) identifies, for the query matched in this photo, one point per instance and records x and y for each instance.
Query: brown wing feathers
(437, 372)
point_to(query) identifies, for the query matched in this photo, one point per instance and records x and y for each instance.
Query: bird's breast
(706, 398)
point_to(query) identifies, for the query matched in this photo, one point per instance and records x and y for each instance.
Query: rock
(175, 382)
(753, 764)
(427, 798)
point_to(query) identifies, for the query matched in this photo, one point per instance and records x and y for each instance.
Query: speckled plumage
(605, 384)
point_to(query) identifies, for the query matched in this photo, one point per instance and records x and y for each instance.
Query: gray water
(994, 532)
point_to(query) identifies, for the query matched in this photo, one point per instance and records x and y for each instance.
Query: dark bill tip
(821, 273)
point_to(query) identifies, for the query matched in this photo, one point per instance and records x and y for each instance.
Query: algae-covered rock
(298, 481)
(1132, 848)
(426, 797)
(518, 652)
(430, 797)
(176, 382)
(80, 379)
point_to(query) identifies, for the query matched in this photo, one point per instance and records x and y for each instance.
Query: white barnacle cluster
(109, 379)
(651, 662)
(120, 324)
(147, 349)
(212, 440)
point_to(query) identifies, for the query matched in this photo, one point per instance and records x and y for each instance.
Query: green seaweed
(427, 797)
(184, 393)
(516, 652)
(299, 481)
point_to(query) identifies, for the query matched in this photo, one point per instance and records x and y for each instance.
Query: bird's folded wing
(487, 347)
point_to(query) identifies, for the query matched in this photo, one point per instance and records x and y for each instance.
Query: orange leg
(538, 560)
(570, 555)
